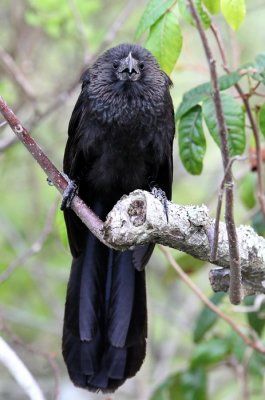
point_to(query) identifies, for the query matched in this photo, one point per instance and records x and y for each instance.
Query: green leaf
(207, 318)
(234, 12)
(255, 318)
(247, 190)
(234, 120)
(210, 352)
(262, 119)
(192, 144)
(257, 222)
(154, 10)
(212, 5)
(186, 385)
(186, 14)
(197, 94)
(165, 41)
(205, 18)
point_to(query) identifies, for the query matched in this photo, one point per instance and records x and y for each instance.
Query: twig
(185, 278)
(116, 26)
(214, 245)
(34, 248)
(48, 356)
(12, 68)
(235, 290)
(19, 371)
(86, 215)
(253, 124)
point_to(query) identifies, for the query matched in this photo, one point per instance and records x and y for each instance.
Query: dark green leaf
(197, 94)
(186, 385)
(262, 119)
(192, 144)
(165, 41)
(234, 119)
(210, 352)
(154, 10)
(207, 318)
(255, 318)
(258, 223)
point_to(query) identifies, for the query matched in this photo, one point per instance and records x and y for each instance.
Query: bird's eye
(141, 65)
(115, 64)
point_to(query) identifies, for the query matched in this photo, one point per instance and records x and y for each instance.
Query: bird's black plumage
(120, 139)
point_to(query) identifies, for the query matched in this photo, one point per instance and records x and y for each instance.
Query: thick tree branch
(235, 277)
(139, 218)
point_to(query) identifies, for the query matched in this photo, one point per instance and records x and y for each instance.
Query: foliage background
(50, 45)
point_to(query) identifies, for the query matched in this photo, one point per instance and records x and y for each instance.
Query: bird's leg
(159, 194)
(69, 193)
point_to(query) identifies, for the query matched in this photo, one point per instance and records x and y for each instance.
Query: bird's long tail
(105, 321)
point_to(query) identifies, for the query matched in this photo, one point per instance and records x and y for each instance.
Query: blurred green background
(44, 47)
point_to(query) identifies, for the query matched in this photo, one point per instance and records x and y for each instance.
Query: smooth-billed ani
(120, 139)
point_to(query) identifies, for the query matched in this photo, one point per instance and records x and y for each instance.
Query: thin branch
(185, 278)
(253, 124)
(11, 67)
(34, 248)
(214, 244)
(86, 215)
(19, 371)
(117, 25)
(31, 349)
(235, 276)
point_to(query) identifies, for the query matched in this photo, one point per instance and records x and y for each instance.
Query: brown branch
(86, 215)
(253, 124)
(235, 291)
(185, 278)
(11, 67)
(214, 244)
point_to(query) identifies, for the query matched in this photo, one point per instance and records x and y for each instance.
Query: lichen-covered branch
(139, 218)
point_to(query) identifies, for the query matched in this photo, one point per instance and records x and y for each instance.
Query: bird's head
(126, 67)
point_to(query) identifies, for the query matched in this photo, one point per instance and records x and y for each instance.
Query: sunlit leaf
(165, 41)
(186, 14)
(234, 12)
(262, 119)
(154, 10)
(234, 120)
(247, 190)
(192, 144)
(212, 5)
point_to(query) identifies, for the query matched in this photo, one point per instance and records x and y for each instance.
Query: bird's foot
(69, 193)
(159, 194)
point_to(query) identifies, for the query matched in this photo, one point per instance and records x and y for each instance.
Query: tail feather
(105, 322)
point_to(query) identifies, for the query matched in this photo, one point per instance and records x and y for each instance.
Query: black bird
(120, 139)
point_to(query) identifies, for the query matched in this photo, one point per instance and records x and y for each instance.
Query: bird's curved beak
(129, 69)
(130, 62)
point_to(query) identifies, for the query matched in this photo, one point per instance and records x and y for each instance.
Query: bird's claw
(69, 193)
(159, 194)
